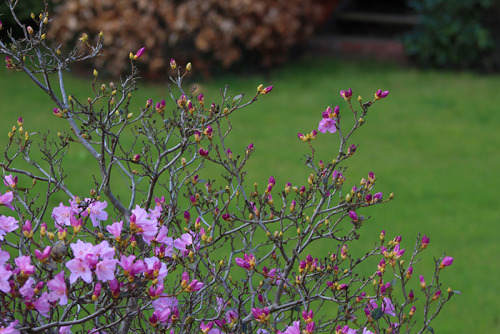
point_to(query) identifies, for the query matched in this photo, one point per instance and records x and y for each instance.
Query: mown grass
(433, 142)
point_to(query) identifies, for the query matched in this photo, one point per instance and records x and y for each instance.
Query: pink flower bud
(266, 90)
(425, 242)
(353, 216)
(139, 53)
(447, 261)
(380, 94)
(346, 94)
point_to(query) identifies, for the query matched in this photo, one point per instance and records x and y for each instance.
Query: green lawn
(433, 142)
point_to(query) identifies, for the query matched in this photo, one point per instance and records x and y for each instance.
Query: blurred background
(433, 142)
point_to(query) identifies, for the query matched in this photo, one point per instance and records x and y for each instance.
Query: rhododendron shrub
(180, 254)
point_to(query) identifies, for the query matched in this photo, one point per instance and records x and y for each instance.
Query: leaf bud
(188, 67)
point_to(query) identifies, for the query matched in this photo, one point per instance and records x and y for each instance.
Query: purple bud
(353, 215)
(139, 53)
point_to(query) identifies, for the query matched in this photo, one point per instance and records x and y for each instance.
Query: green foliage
(450, 34)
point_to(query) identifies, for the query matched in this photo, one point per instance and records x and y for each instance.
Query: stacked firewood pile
(221, 33)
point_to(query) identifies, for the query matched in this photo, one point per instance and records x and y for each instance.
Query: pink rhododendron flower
(28, 289)
(103, 250)
(115, 229)
(58, 289)
(156, 268)
(248, 262)
(6, 199)
(327, 124)
(42, 304)
(185, 240)
(294, 329)
(81, 249)
(105, 269)
(24, 264)
(192, 286)
(261, 315)
(4, 257)
(62, 214)
(65, 330)
(96, 331)
(388, 307)
(10, 329)
(95, 211)
(4, 279)
(7, 224)
(141, 224)
(79, 269)
(10, 181)
(130, 267)
(165, 302)
(42, 256)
